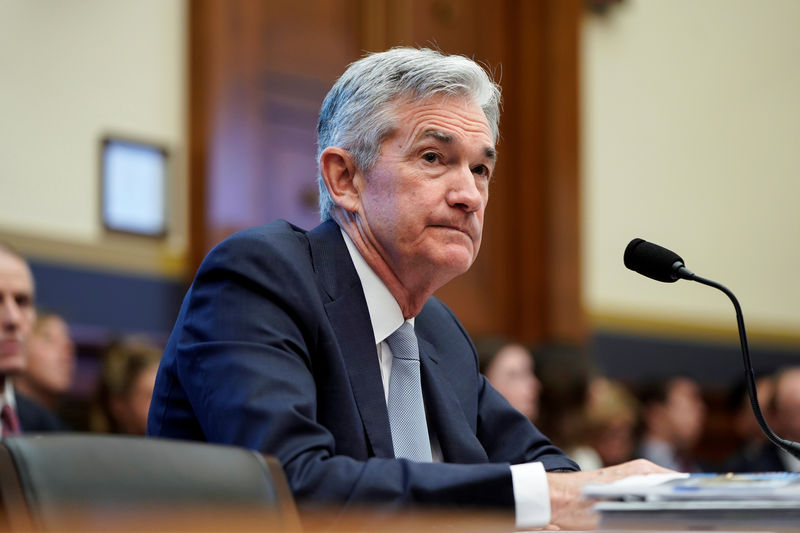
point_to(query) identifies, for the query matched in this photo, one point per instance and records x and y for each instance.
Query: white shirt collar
(8, 393)
(384, 311)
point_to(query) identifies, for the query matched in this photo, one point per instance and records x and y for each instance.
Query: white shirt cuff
(531, 495)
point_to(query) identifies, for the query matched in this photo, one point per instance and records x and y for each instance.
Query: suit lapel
(349, 317)
(456, 437)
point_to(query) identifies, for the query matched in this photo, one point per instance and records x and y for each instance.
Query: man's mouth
(455, 228)
(9, 346)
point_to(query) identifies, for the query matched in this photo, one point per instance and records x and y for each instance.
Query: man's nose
(464, 192)
(10, 314)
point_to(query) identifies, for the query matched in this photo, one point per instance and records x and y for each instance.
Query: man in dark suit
(17, 315)
(287, 341)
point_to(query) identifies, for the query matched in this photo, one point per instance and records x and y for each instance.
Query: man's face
(511, 373)
(51, 356)
(17, 313)
(787, 405)
(686, 411)
(423, 202)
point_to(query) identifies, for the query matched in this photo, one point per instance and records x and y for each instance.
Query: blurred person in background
(129, 373)
(50, 367)
(565, 371)
(784, 418)
(509, 367)
(786, 412)
(744, 424)
(673, 414)
(611, 420)
(17, 317)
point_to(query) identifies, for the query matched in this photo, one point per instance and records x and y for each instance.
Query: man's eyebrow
(438, 135)
(446, 138)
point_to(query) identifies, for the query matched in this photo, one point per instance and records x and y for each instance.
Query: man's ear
(338, 170)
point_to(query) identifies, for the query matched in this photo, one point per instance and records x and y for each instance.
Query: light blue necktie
(406, 409)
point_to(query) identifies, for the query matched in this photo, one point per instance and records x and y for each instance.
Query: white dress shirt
(7, 396)
(529, 481)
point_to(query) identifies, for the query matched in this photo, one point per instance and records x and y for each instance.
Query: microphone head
(653, 261)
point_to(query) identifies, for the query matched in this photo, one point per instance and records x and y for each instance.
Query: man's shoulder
(278, 255)
(275, 242)
(277, 234)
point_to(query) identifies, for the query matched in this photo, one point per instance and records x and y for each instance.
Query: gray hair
(356, 114)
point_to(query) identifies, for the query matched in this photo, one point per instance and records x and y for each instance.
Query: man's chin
(11, 365)
(457, 261)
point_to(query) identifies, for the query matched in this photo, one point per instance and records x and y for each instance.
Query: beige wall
(691, 139)
(70, 72)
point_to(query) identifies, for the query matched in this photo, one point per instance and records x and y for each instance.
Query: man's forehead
(458, 111)
(14, 273)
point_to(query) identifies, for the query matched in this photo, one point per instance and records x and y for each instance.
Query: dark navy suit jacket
(35, 418)
(273, 350)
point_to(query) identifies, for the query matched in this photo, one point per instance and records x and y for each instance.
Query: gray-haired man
(285, 342)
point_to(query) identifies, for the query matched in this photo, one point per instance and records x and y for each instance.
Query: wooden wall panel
(542, 130)
(261, 69)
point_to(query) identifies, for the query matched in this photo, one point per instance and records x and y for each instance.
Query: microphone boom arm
(788, 445)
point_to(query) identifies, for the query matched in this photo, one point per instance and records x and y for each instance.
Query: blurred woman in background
(611, 420)
(509, 367)
(129, 373)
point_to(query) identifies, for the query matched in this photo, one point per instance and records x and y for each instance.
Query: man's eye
(481, 170)
(430, 157)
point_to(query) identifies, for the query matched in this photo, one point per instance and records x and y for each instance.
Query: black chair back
(91, 482)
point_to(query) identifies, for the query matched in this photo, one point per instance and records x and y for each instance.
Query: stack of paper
(763, 502)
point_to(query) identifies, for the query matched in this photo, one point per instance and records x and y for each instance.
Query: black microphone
(660, 264)
(655, 262)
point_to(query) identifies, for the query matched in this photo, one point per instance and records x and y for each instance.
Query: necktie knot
(403, 342)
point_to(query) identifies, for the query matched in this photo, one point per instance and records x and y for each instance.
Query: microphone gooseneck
(660, 264)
